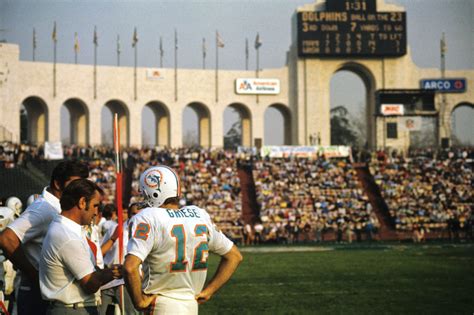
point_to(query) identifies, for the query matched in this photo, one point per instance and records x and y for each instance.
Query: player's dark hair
(108, 210)
(174, 200)
(76, 190)
(139, 205)
(65, 170)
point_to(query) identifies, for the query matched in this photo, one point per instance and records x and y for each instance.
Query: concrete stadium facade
(303, 100)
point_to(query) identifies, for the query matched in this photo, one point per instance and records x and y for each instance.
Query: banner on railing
(53, 150)
(335, 151)
(247, 150)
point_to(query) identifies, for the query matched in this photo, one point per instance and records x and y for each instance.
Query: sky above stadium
(235, 20)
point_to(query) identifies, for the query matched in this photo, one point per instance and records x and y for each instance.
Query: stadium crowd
(320, 196)
(322, 199)
(426, 191)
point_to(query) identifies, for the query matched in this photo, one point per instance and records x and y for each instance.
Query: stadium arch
(120, 108)
(161, 125)
(78, 121)
(34, 129)
(203, 123)
(368, 79)
(286, 127)
(245, 117)
(462, 112)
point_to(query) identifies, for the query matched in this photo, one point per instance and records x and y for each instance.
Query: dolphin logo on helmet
(159, 183)
(153, 179)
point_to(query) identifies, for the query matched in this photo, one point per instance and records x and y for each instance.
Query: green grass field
(398, 279)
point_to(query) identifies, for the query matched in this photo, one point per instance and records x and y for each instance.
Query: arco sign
(444, 85)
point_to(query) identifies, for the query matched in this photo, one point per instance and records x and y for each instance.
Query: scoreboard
(351, 28)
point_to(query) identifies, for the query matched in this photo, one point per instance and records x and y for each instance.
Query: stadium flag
(76, 43)
(54, 36)
(162, 52)
(135, 38)
(220, 41)
(118, 50)
(443, 46)
(76, 47)
(118, 199)
(34, 44)
(96, 39)
(204, 51)
(246, 54)
(258, 42)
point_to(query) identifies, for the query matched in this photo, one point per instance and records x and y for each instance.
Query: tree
(233, 137)
(342, 132)
(190, 139)
(359, 125)
(425, 137)
(107, 137)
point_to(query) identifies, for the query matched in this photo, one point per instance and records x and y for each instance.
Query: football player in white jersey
(173, 245)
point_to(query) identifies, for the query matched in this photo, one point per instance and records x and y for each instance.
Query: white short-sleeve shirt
(112, 256)
(65, 259)
(174, 246)
(33, 223)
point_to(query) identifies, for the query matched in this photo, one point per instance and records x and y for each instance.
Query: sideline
(285, 249)
(374, 246)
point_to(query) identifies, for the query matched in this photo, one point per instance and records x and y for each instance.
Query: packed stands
(427, 191)
(301, 195)
(301, 199)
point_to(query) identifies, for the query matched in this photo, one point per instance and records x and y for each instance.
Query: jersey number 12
(200, 251)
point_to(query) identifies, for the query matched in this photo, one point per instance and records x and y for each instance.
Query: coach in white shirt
(22, 240)
(69, 279)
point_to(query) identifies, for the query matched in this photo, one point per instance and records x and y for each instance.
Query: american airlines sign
(257, 86)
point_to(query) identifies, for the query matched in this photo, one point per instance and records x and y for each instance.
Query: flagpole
(443, 75)
(76, 47)
(246, 54)
(258, 62)
(135, 67)
(257, 47)
(175, 65)
(203, 53)
(217, 67)
(54, 60)
(34, 44)
(161, 52)
(118, 200)
(118, 50)
(258, 66)
(95, 61)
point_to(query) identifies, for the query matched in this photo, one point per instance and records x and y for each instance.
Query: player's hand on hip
(203, 297)
(147, 300)
(117, 271)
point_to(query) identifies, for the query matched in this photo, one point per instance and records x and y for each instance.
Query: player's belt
(75, 305)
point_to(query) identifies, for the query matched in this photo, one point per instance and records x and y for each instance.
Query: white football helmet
(159, 183)
(7, 215)
(15, 204)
